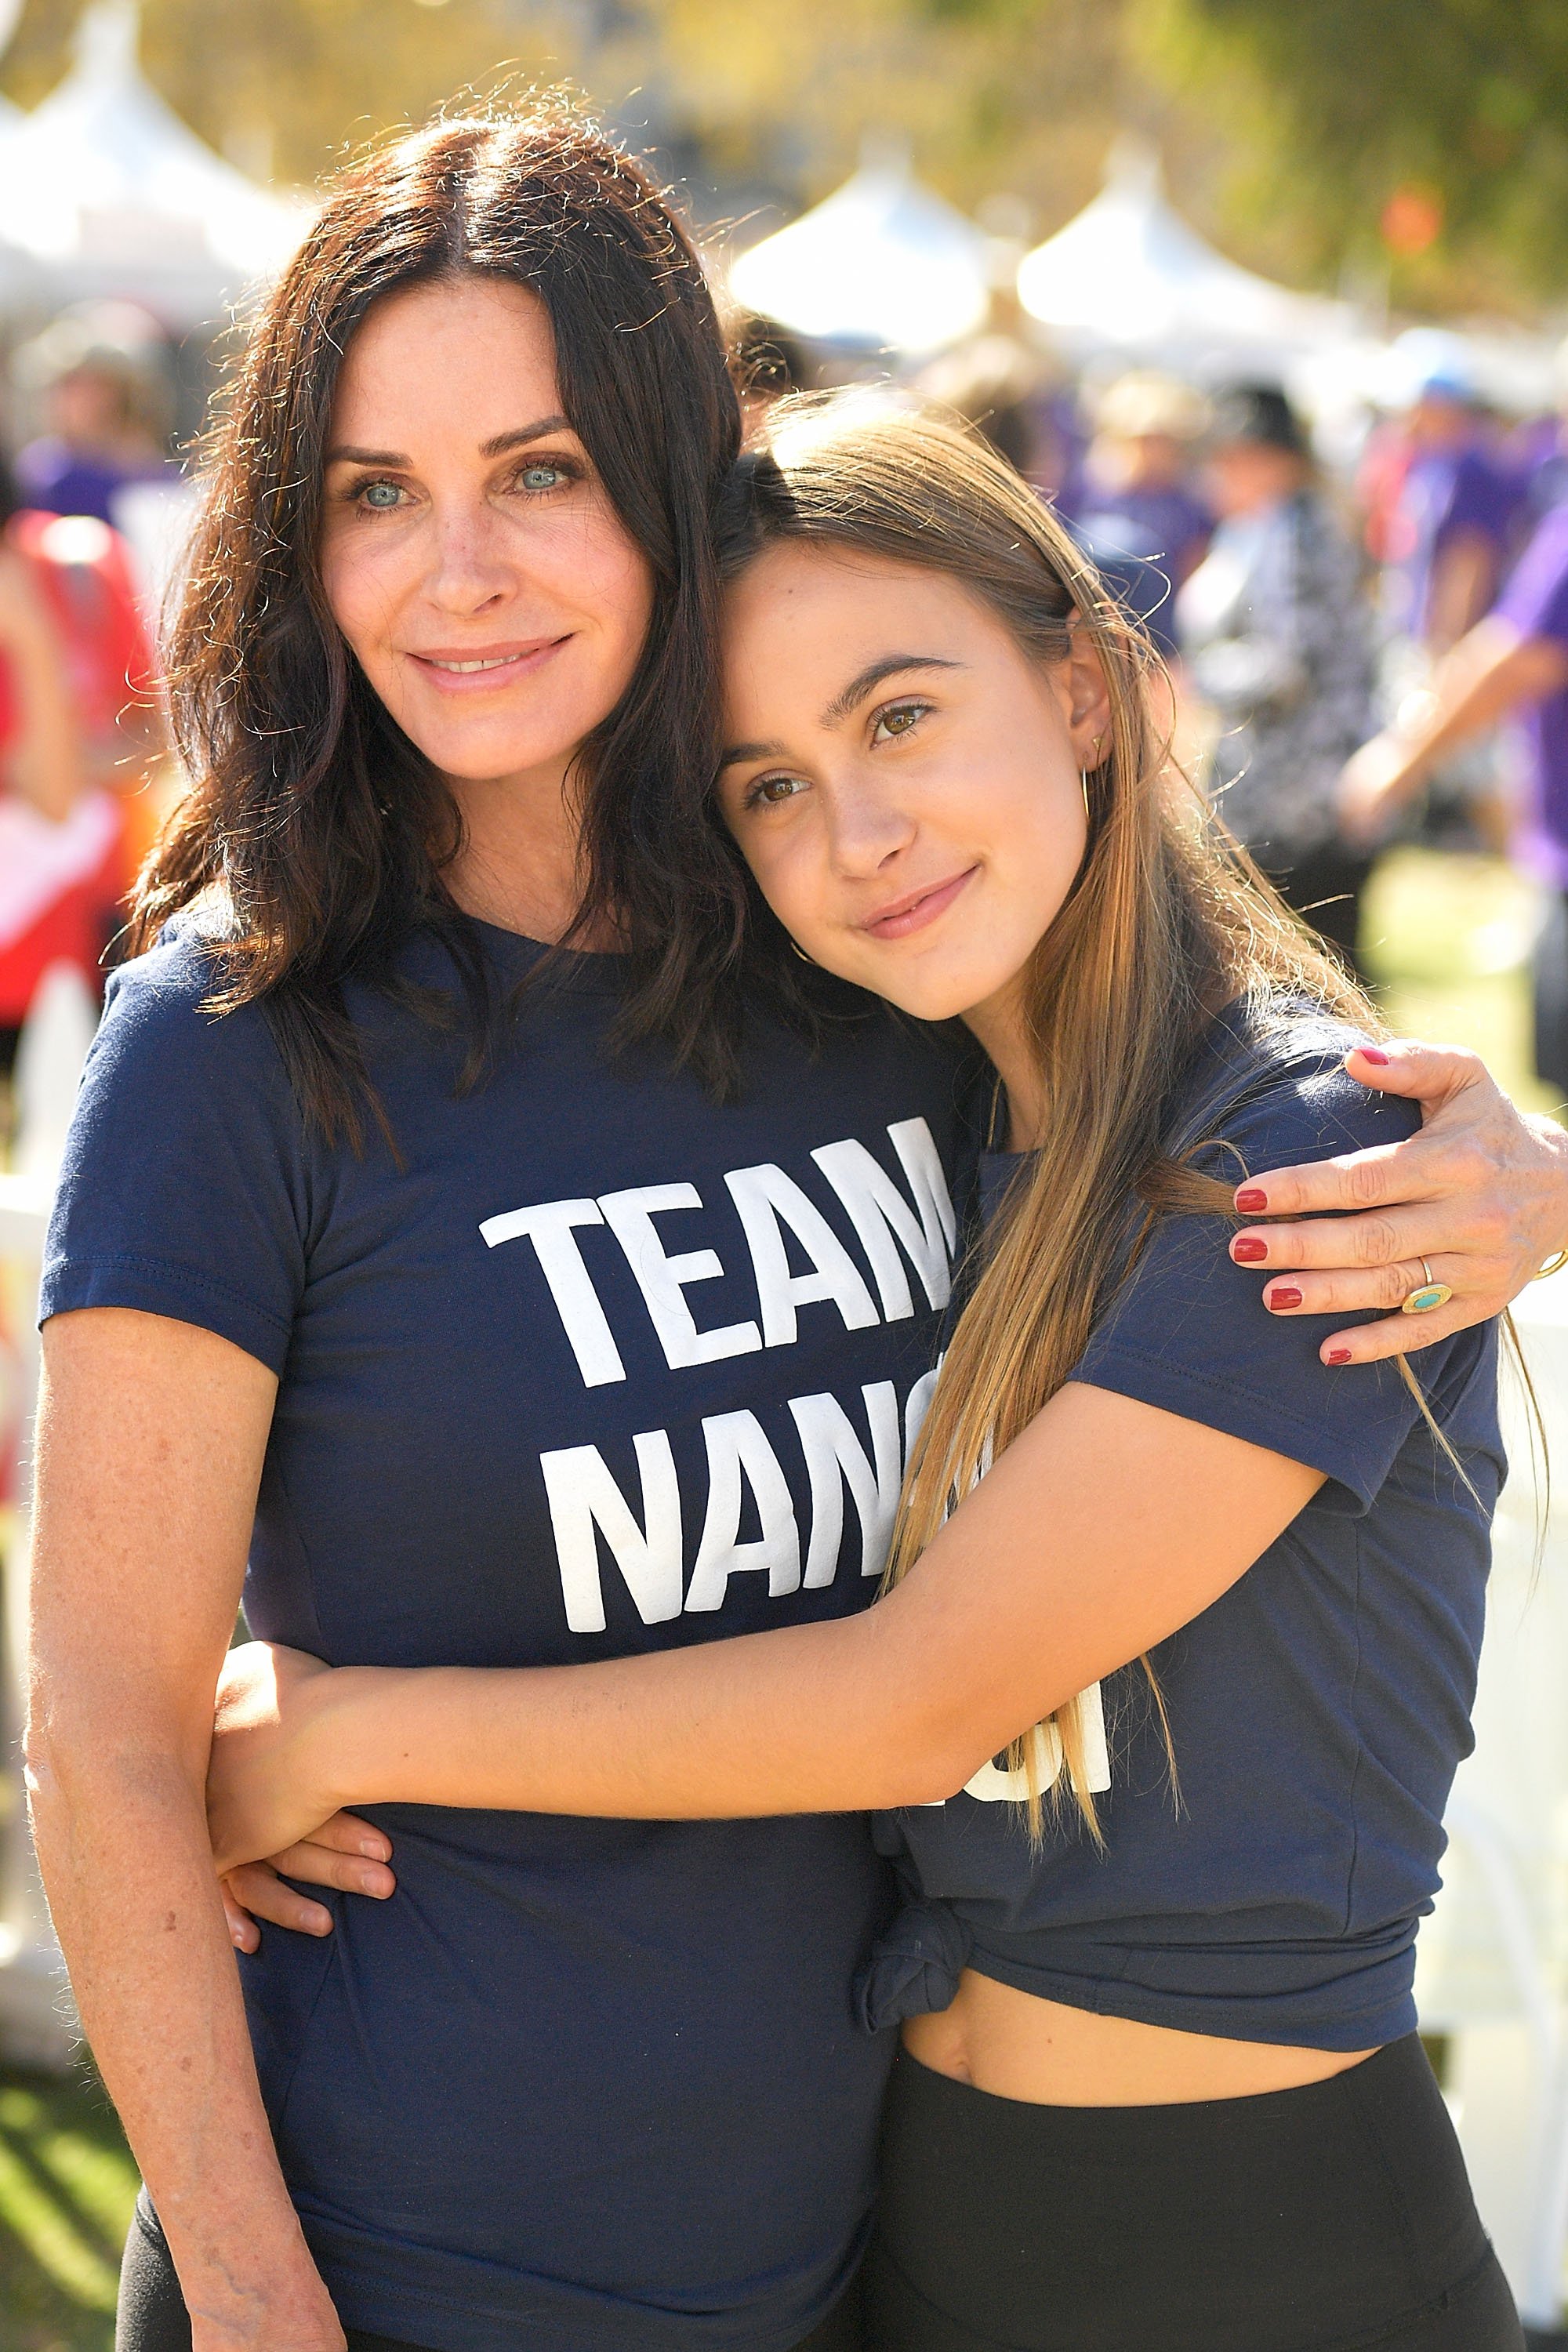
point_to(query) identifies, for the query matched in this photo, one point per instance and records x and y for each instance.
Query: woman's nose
(470, 563)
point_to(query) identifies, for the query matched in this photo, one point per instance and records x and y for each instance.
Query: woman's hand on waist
(274, 1790)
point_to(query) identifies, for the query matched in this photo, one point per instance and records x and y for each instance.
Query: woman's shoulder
(162, 1017)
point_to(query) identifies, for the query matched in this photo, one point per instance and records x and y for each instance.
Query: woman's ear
(1088, 699)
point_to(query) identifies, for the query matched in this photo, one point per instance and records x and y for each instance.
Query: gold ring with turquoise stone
(1430, 1294)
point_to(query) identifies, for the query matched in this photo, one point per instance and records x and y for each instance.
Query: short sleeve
(1481, 500)
(1536, 598)
(183, 1190)
(1188, 1331)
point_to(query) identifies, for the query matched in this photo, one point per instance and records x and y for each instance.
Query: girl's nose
(867, 829)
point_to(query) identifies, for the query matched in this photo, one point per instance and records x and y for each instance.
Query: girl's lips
(454, 672)
(914, 914)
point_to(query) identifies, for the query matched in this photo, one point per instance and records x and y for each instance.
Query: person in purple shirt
(1512, 665)
(1454, 521)
(103, 373)
(1133, 511)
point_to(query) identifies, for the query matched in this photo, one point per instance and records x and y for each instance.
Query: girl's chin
(926, 1000)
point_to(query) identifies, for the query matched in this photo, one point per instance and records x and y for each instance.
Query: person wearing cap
(1279, 645)
(1512, 665)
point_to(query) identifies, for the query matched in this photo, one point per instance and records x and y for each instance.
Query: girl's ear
(1088, 701)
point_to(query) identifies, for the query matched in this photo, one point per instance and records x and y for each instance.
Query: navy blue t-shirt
(1317, 1710)
(602, 1367)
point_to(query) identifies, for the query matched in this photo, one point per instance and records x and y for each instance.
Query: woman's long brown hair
(1167, 923)
(318, 831)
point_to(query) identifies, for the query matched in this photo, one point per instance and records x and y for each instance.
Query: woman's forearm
(150, 1438)
(122, 1842)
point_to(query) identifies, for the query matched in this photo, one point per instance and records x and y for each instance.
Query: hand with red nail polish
(1247, 1250)
(1283, 1295)
(1250, 1202)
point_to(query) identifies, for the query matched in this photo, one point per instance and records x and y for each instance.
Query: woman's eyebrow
(861, 685)
(496, 447)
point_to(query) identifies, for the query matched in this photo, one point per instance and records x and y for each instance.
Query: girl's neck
(1002, 1028)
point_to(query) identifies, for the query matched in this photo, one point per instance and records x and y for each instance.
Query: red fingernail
(1339, 1355)
(1251, 1202)
(1248, 1253)
(1373, 1054)
(1285, 1297)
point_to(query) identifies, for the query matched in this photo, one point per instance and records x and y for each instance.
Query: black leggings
(1332, 2218)
(153, 2316)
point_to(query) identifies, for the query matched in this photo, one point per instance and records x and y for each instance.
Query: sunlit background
(1012, 205)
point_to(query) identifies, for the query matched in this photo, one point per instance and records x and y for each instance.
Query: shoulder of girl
(1292, 1097)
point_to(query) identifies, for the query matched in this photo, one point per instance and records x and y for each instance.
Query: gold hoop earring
(1083, 787)
(796, 948)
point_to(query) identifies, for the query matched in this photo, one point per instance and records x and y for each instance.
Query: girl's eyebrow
(843, 703)
(873, 676)
(739, 752)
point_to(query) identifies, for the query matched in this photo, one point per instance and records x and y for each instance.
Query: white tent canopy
(105, 192)
(881, 265)
(1129, 277)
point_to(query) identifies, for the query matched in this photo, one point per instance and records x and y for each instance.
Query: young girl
(1159, 2079)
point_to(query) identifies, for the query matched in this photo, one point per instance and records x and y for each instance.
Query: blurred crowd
(79, 733)
(1361, 652)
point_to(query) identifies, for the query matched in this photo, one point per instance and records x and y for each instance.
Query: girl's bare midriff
(1020, 2047)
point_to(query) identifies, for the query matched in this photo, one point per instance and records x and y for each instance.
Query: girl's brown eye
(772, 790)
(901, 718)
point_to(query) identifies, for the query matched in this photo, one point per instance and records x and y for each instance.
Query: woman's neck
(521, 863)
(1003, 1029)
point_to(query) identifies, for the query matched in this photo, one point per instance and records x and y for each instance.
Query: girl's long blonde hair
(1167, 923)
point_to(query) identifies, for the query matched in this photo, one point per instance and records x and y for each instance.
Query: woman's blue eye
(541, 477)
(381, 495)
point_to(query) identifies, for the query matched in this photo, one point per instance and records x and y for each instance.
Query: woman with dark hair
(457, 1219)
(397, 1335)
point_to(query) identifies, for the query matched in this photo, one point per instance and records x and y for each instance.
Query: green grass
(67, 2186)
(1447, 938)
(1448, 941)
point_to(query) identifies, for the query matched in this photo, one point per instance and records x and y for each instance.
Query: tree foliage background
(1286, 125)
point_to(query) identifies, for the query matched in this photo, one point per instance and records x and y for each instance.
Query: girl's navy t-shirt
(596, 1365)
(1317, 1711)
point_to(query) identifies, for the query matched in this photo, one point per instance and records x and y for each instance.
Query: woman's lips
(480, 669)
(920, 908)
